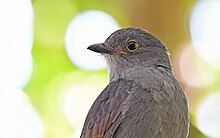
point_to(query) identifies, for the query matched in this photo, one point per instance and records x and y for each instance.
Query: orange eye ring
(132, 45)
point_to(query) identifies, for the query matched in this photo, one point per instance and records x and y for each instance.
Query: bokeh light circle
(16, 42)
(78, 101)
(77, 133)
(192, 73)
(208, 116)
(77, 91)
(16, 23)
(16, 66)
(205, 30)
(18, 117)
(85, 29)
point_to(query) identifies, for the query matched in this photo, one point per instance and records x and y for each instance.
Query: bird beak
(104, 48)
(101, 48)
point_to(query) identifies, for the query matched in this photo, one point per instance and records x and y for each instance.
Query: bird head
(129, 49)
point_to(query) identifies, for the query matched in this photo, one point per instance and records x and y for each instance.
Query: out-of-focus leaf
(195, 133)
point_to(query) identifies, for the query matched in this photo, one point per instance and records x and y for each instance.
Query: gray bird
(143, 98)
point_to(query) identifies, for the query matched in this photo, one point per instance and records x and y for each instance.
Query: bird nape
(143, 98)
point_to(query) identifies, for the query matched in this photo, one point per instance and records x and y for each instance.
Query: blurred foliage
(195, 133)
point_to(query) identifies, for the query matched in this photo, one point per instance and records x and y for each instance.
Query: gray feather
(143, 98)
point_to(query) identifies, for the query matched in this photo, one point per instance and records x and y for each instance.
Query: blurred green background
(49, 79)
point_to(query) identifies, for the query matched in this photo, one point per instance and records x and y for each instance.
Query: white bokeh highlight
(208, 116)
(85, 29)
(18, 118)
(191, 73)
(77, 133)
(16, 67)
(205, 30)
(16, 42)
(78, 101)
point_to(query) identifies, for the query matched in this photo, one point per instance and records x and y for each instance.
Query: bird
(143, 98)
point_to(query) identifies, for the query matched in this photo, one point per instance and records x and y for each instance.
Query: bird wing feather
(105, 115)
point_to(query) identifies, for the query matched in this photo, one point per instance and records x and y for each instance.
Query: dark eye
(132, 45)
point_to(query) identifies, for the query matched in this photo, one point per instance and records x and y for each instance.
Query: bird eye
(132, 45)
